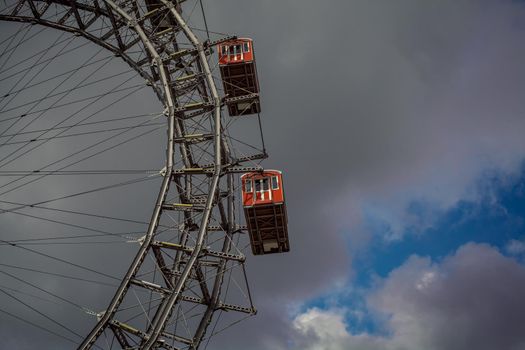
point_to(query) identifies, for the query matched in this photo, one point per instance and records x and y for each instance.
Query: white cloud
(322, 324)
(471, 300)
(515, 247)
(452, 112)
(326, 330)
(425, 280)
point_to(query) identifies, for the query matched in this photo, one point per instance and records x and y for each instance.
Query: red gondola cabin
(265, 211)
(239, 76)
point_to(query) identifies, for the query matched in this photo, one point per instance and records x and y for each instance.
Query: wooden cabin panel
(239, 80)
(239, 77)
(268, 229)
(244, 108)
(265, 212)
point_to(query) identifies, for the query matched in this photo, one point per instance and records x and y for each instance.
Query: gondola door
(262, 190)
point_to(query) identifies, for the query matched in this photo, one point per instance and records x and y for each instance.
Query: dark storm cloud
(381, 102)
(369, 105)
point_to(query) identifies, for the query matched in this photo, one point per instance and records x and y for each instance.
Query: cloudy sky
(399, 128)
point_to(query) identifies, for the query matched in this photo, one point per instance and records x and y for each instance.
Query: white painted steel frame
(117, 12)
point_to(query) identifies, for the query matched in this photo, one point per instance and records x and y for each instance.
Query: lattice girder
(183, 267)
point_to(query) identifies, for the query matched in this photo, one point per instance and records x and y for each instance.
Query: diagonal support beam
(73, 5)
(33, 9)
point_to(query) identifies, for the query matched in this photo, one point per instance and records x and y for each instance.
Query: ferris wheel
(184, 278)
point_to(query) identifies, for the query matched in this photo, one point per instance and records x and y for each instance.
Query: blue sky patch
(495, 219)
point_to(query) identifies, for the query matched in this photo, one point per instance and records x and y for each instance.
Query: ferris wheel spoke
(102, 233)
(91, 99)
(11, 49)
(75, 162)
(33, 65)
(51, 78)
(189, 256)
(38, 326)
(67, 91)
(134, 90)
(29, 69)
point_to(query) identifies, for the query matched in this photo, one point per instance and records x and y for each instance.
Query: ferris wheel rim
(164, 95)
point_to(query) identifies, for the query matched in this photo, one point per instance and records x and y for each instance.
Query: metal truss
(175, 283)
